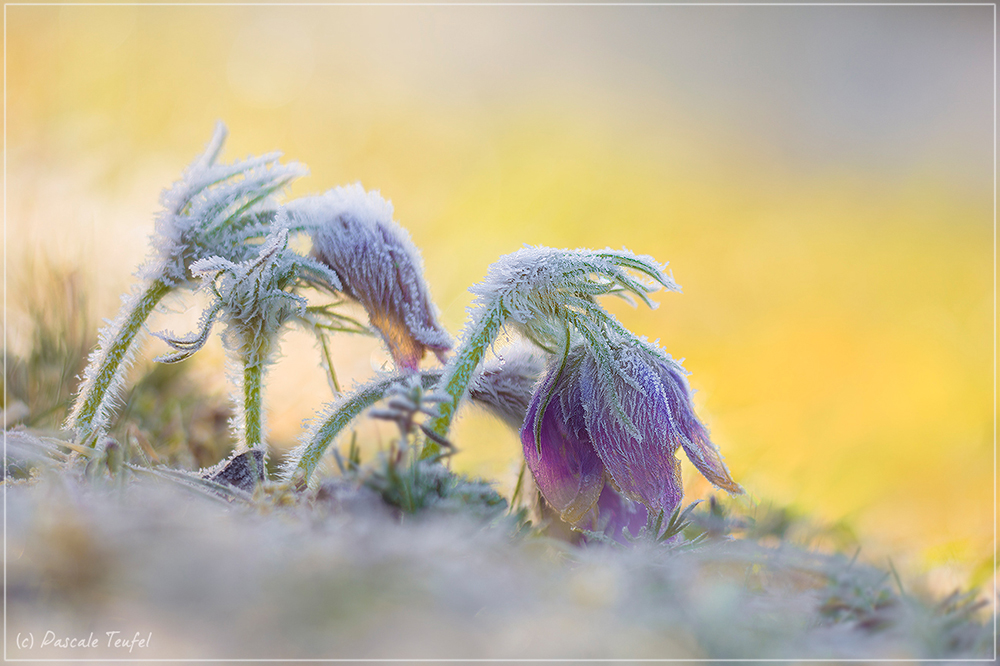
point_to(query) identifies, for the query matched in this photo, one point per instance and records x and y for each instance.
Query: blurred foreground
(185, 572)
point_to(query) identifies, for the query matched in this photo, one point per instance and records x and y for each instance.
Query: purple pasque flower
(353, 233)
(584, 447)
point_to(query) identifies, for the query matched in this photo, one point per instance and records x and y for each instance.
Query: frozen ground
(183, 572)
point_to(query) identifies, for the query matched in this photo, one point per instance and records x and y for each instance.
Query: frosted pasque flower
(576, 445)
(604, 424)
(354, 234)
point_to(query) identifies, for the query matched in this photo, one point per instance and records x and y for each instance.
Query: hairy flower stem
(346, 411)
(103, 374)
(253, 375)
(483, 330)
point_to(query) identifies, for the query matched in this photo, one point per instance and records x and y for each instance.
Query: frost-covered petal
(643, 468)
(565, 466)
(651, 390)
(354, 234)
(689, 430)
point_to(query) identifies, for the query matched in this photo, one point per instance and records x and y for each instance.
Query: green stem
(518, 487)
(458, 373)
(88, 416)
(253, 436)
(344, 411)
(347, 410)
(453, 381)
(328, 361)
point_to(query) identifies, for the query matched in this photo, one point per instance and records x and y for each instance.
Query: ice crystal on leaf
(354, 234)
(215, 209)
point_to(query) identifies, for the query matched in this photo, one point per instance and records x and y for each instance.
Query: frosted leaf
(536, 287)
(253, 297)
(213, 207)
(211, 265)
(185, 346)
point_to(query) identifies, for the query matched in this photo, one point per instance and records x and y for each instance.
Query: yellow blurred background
(819, 178)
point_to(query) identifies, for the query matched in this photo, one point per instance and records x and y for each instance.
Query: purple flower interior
(567, 469)
(612, 513)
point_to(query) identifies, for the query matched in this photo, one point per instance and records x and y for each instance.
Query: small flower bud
(355, 236)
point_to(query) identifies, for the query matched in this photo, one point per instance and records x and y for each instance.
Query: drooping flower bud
(354, 234)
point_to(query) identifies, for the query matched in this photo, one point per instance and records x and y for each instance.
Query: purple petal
(686, 429)
(567, 470)
(644, 470)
